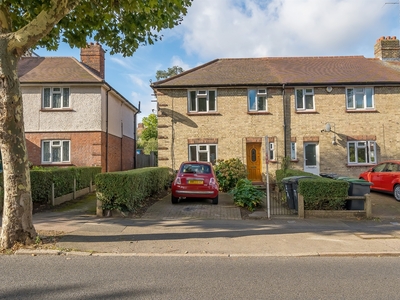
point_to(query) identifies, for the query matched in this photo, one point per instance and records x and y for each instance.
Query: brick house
(72, 116)
(324, 114)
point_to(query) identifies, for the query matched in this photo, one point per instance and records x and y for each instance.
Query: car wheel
(174, 200)
(215, 200)
(396, 192)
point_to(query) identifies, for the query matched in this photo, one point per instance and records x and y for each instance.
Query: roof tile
(54, 69)
(286, 70)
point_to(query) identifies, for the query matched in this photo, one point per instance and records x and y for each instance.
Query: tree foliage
(148, 146)
(175, 70)
(150, 128)
(121, 26)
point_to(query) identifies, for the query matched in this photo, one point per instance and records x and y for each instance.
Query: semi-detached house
(324, 114)
(72, 116)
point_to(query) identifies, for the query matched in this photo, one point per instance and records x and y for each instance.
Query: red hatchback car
(195, 179)
(385, 177)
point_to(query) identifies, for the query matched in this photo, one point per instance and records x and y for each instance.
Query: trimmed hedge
(323, 193)
(280, 174)
(127, 190)
(63, 178)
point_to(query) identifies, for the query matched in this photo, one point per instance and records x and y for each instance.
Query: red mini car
(195, 179)
(385, 177)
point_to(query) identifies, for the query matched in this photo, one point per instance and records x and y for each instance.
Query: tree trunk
(17, 226)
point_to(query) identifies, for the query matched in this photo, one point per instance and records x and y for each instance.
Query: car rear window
(196, 168)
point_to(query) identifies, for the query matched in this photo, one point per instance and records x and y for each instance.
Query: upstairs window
(305, 99)
(360, 98)
(202, 101)
(55, 97)
(361, 152)
(56, 151)
(257, 100)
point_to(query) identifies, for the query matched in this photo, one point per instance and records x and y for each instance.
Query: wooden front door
(253, 157)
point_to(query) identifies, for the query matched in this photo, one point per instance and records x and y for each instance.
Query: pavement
(198, 228)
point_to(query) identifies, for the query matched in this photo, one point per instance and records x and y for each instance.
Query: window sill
(294, 160)
(56, 164)
(306, 112)
(360, 165)
(361, 111)
(55, 109)
(203, 114)
(273, 161)
(258, 113)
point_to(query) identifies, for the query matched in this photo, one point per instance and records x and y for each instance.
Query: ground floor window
(272, 153)
(293, 151)
(361, 152)
(203, 152)
(56, 151)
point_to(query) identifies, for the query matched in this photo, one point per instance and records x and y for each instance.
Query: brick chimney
(387, 48)
(93, 57)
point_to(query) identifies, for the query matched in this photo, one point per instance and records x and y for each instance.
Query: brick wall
(93, 57)
(232, 125)
(87, 149)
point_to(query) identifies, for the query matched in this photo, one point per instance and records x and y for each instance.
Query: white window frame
(351, 103)
(293, 151)
(203, 149)
(55, 144)
(52, 91)
(259, 92)
(306, 92)
(201, 94)
(370, 152)
(272, 151)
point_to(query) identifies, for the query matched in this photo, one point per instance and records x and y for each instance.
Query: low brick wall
(365, 213)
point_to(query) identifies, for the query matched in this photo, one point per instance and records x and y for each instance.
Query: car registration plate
(195, 181)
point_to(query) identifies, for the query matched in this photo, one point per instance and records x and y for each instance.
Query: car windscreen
(196, 168)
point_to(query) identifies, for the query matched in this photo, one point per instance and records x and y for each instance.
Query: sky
(215, 29)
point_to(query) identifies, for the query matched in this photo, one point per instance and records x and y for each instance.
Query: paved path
(193, 209)
(200, 228)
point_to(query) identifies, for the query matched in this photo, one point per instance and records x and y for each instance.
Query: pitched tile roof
(286, 70)
(54, 69)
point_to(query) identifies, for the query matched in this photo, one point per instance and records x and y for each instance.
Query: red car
(385, 177)
(195, 179)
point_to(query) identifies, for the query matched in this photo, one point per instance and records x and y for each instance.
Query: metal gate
(279, 205)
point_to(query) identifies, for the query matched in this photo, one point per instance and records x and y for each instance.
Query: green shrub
(247, 195)
(63, 179)
(229, 172)
(127, 190)
(282, 173)
(323, 193)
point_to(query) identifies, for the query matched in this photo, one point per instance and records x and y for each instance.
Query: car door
(376, 176)
(390, 176)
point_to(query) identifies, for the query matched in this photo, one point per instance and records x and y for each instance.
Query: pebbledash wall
(232, 125)
(85, 125)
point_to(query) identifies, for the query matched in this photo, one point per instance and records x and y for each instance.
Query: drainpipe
(107, 128)
(284, 120)
(134, 134)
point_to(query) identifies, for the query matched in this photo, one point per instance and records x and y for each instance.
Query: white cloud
(138, 81)
(177, 61)
(253, 28)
